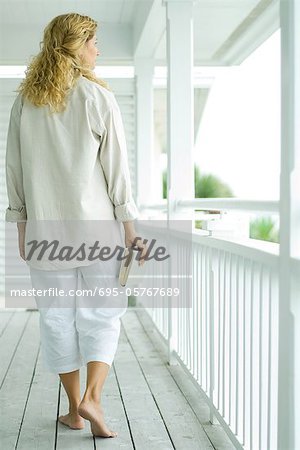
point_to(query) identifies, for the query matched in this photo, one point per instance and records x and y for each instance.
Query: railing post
(212, 417)
(171, 344)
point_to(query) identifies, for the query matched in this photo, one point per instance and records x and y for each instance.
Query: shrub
(264, 229)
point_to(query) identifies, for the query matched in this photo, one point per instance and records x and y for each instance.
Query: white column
(146, 170)
(180, 98)
(289, 311)
(180, 121)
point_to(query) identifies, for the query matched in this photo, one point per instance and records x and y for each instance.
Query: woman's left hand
(21, 233)
(135, 240)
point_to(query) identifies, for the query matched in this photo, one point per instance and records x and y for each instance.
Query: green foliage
(210, 186)
(206, 186)
(264, 229)
(198, 224)
(164, 181)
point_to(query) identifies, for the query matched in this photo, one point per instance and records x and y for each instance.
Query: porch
(149, 403)
(227, 372)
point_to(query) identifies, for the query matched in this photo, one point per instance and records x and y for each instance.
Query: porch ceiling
(225, 31)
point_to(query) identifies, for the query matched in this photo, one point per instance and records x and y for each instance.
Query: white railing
(227, 341)
(227, 204)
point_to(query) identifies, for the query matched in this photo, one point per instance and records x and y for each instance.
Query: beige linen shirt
(69, 165)
(67, 173)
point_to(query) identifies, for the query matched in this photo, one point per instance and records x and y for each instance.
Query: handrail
(254, 249)
(219, 204)
(162, 205)
(230, 204)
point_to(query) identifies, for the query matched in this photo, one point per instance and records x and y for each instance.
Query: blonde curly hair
(52, 74)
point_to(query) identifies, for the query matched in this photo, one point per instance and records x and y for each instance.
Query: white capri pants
(79, 327)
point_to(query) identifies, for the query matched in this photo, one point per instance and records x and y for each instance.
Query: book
(130, 269)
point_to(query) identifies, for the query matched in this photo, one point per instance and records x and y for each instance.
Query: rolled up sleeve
(16, 210)
(114, 161)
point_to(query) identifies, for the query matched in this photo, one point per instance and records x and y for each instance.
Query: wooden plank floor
(150, 404)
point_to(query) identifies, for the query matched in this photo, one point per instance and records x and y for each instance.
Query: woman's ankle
(73, 405)
(91, 397)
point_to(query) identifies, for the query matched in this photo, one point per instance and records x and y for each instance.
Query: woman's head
(74, 36)
(90, 52)
(68, 51)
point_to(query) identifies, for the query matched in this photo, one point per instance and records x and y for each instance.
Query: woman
(66, 159)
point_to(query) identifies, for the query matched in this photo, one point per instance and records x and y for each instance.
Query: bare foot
(93, 412)
(74, 421)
